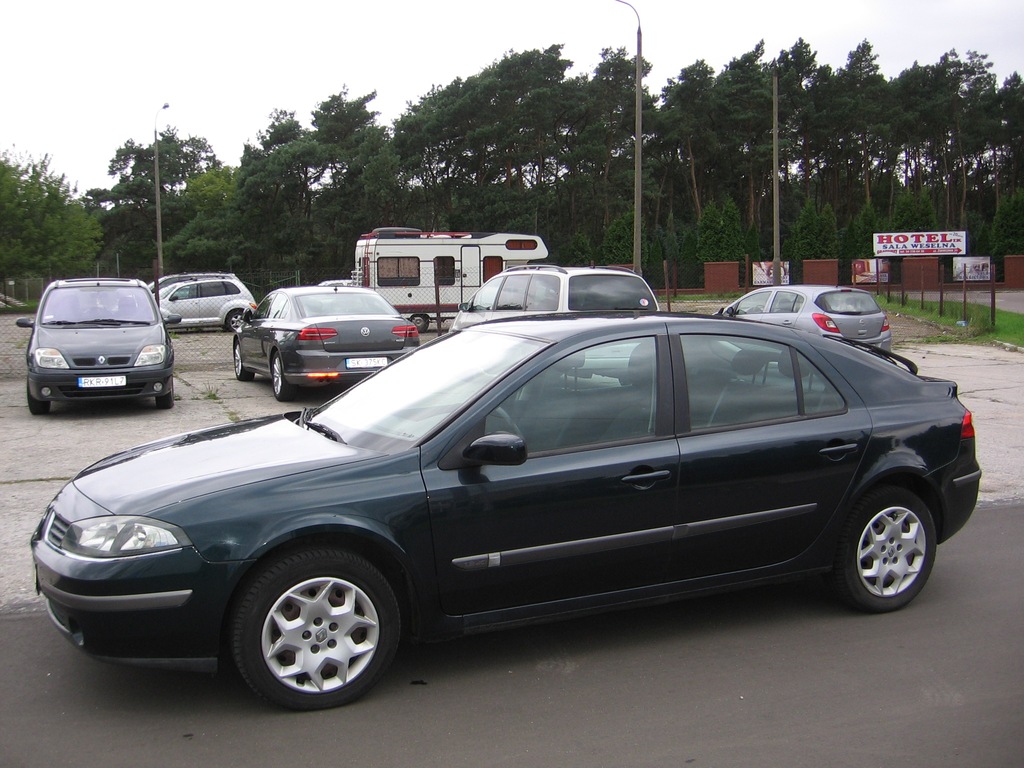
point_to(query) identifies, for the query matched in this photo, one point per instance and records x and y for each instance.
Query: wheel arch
(382, 556)
(913, 482)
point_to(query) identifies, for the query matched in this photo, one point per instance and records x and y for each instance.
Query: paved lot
(40, 454)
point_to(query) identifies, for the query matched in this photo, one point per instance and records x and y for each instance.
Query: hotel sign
(894, 244)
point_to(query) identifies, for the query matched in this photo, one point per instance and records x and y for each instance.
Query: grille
(90, 362)
(74, 393)
(56, 530)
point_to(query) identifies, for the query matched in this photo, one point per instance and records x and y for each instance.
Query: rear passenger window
(732, 381)
(787, 302)
(542, 295)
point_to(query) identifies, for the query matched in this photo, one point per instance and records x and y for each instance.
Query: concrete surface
(41, 453)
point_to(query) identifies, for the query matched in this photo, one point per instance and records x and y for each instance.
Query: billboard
(972, 268)
(892, 244)
(762, 273)
(870, 271)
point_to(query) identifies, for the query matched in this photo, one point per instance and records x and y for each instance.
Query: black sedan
(317, 335)
(512, 472)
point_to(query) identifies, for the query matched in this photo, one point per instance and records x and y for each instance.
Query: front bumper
(63, 385)
(162, 609)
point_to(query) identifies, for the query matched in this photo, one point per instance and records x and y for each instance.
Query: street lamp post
(638, 141)
(156, 185)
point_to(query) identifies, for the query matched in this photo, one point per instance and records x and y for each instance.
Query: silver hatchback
(827, 310)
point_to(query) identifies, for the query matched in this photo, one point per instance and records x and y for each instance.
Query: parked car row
(337, 332)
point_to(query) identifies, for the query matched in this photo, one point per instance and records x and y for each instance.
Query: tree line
(524, 146)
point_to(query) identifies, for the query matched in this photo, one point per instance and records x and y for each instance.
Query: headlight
(122, 536)
(47, 357)
(154, 354)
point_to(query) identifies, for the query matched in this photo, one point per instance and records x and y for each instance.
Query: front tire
(36, 407)
(283, 391)
(886, 551)
(315, 629)
(241, 372)
(165, 401)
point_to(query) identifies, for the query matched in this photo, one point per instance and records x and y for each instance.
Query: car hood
(93, 340)
(156, 475)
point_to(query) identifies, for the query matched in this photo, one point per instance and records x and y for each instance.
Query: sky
(79, 79)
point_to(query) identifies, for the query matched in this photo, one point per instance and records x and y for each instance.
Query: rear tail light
(314, 333)
(406, 331)
(885, 322)
(825, 323)
(967, 426)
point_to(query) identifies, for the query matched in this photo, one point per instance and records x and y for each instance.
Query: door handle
(837, 452)
(645, 480)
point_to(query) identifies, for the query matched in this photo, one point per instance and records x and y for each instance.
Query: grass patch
(975, 325)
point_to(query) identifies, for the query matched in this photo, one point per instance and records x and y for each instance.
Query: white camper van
(426, 275)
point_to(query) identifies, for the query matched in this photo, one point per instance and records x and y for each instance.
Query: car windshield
(331, 303)
(98, 303)
(404, 403)
(848, 303)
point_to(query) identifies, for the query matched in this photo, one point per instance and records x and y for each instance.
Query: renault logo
(364, 331)
(101, 360)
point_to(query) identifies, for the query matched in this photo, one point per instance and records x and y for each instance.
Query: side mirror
(247, 315)
(172, 319)
(464, 306)
(25, 322)
(727, 311)
(499, 448)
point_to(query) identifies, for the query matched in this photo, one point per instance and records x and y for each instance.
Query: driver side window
(603, 394)
(753, 304)
(483, 300)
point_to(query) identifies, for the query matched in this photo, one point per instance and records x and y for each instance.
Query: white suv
(547, 288)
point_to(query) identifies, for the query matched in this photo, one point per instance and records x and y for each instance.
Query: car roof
(811, 290)
(196, 275)
(306, 290)
(115, 282)
(555, 327)
(603, 270)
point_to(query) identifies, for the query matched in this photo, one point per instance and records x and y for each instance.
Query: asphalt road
(780, 676)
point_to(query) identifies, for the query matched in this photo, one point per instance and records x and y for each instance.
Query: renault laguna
(516, 471)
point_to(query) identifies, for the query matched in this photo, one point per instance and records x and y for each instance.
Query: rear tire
(315, 629)
(422, 322)
(233, 320)
(886, 551)
(283, 391)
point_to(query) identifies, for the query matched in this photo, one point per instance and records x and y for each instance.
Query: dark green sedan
(512, 472)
